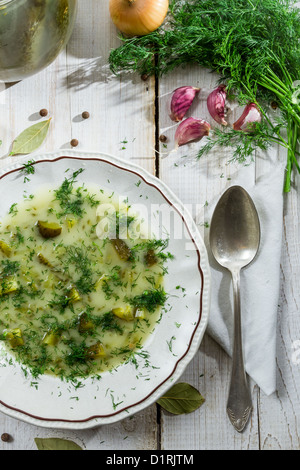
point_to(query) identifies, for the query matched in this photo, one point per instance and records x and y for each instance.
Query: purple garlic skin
(182, 100)
(216, 104)
(249, 117)
(191, 129)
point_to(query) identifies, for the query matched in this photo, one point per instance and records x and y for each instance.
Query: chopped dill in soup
(81, 287)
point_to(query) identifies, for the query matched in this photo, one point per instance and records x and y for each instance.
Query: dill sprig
(150, 299)
(9, 268)
(254, 46)
(70, 201)
(243, 145)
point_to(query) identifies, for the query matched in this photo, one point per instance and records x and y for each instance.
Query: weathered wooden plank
(275, 422)
(199, 183)
(121, 123)
(138, 432)
(121, 108)
(208, 428)
(280, 413)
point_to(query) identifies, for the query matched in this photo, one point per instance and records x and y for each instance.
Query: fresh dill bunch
(229, 36)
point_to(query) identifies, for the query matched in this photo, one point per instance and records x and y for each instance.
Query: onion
(138, 17)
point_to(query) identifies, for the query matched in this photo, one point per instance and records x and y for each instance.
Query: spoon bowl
(234, 241)
(235, 229)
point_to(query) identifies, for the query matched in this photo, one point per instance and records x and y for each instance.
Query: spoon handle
(239, 404)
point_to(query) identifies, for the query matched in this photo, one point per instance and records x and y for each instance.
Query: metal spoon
(234, 241)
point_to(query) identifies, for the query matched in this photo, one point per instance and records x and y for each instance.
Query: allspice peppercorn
(163, 138)
(74, 142)
(43, 112)
(5, 437)
(85, 115)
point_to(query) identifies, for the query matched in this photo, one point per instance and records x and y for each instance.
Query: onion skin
(249, 117)
(138, 17)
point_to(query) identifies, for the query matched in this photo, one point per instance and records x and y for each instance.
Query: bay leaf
(54, 443)
(31, 138)
(182, 398)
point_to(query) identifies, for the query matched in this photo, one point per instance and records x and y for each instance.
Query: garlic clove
(216, 104)
(191, 129)
(181, 101)
(250, 115)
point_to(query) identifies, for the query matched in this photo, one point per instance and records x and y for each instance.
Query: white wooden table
(127, 115)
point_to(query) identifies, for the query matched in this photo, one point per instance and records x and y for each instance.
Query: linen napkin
(260, 282)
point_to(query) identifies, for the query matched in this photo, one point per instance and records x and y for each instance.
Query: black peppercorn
(74, 142)
(85, 115)
(5, 437)
(163, 138)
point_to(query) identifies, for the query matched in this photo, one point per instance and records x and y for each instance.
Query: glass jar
(32, 34)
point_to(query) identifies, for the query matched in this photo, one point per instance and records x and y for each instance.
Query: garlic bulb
(138, 17)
